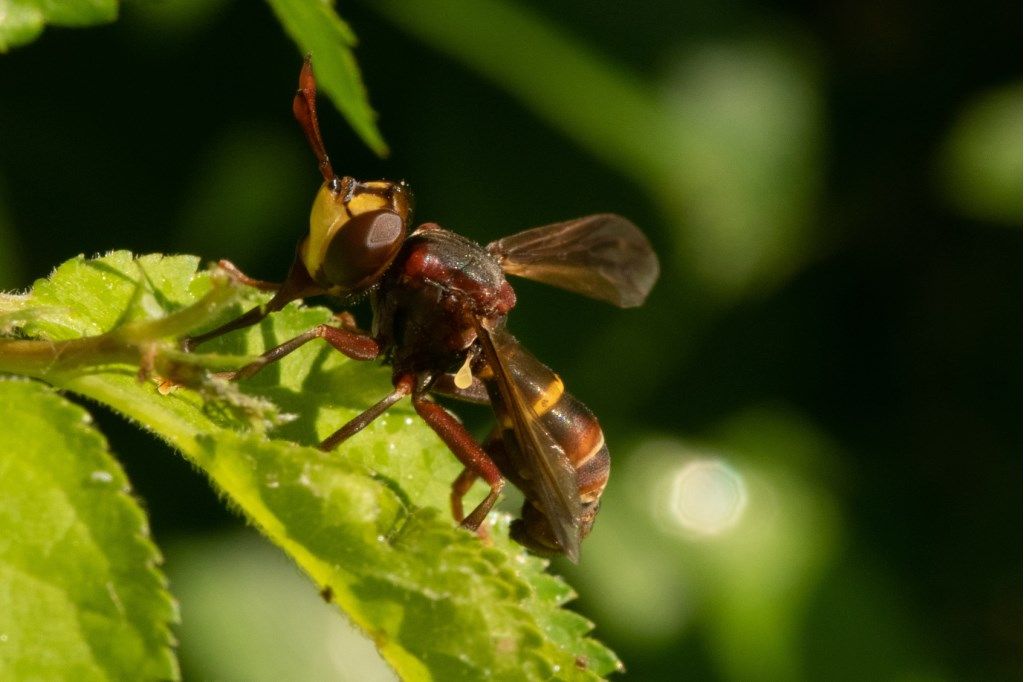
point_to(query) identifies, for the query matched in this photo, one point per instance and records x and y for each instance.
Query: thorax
(433, 296)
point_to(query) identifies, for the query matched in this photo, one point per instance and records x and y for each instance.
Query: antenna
(304, 108)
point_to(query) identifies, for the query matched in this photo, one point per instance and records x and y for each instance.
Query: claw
(166, 386)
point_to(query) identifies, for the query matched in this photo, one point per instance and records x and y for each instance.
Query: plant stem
(58, 361)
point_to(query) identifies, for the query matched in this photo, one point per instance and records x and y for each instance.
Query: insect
(439, 304)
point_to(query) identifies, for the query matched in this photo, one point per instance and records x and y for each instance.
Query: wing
(551, 474)
(602, 256)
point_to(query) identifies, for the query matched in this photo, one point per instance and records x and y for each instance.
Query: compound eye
(362, 248)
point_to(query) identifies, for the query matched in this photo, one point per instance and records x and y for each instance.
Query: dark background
(862, 387)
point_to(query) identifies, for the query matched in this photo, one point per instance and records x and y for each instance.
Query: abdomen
(571, 424)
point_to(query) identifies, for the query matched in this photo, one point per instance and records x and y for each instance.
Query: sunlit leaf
(320, 32)
(82, 596)
(365, 522)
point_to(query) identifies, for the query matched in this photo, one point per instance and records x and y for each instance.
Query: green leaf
(82, 596)
(96, 295)
(320, 32)
(21, 21)
(368, 523)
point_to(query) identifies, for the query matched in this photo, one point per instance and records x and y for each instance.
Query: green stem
(59, 361)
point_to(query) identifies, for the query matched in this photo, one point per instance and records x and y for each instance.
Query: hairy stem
(143, 341)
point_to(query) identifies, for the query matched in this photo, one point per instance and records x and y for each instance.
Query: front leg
(237, 275)
(352, 344)
(298, 284)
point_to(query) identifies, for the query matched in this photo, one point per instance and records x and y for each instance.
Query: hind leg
(478, 464)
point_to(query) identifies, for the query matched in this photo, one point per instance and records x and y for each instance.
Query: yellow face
(353, 230)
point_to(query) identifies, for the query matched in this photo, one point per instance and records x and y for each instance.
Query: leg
(347, 321)
(247, 319)
(461, 486)
(495, 450)
(232, 269)
(403, 387)
(298, 284)
(355, 346)
(468, 451)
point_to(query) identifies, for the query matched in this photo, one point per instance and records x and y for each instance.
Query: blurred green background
(814, 421)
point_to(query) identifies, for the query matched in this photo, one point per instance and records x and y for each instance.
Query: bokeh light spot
(707, 497)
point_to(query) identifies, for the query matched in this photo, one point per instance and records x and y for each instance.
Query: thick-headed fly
(439, 307)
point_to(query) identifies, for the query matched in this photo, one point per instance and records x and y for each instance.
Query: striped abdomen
(571, 425)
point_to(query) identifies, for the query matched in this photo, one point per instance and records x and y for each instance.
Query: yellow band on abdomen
(551, 395)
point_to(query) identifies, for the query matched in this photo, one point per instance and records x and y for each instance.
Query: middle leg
(403, 387)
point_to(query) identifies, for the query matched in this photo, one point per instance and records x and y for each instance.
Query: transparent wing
(551, 475)
(602, 256)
